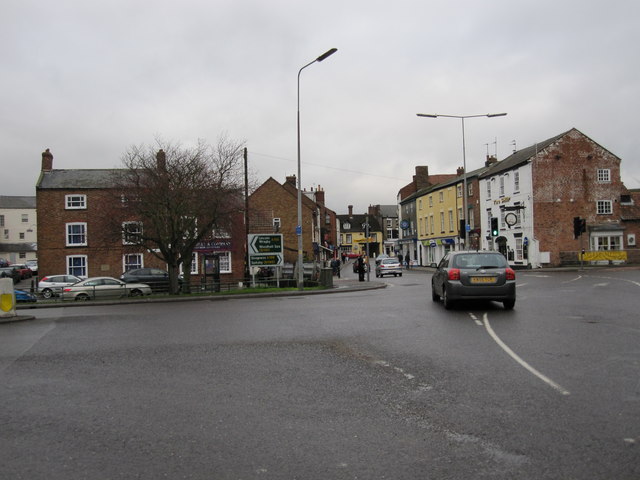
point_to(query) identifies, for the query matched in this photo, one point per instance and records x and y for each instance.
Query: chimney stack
(161, 159)
(291, 180)
(460, 171)
(351, 210)
(320, 195)
(490, 160)
(47, 161)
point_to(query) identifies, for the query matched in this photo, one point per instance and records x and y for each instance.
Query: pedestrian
(400, 258)
(361, 268)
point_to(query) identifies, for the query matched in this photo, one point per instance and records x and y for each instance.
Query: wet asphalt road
(376, 384)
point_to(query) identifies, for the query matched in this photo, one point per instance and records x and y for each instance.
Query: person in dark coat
(361, 268)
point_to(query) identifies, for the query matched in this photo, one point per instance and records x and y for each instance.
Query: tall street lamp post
(299, 226)
(465, 192)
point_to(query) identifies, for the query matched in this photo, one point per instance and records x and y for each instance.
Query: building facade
(18, 229)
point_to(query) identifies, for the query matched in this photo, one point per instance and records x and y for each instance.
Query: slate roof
(21, 203)
(521, 156)
(77, 178)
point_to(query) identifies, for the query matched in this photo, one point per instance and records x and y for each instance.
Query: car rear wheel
(136, 293)
(509, 304)
(448, 304)
(83, 297)
(434, 296)
(47, 293)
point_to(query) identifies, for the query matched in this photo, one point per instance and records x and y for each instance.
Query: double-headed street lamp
(465, 213)
(299, 227)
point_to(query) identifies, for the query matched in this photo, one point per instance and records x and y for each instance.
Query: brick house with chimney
(273, 208)
(354, 230)
(536, 192)
(75, 236)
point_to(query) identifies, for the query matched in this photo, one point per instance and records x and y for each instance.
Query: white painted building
(18, 230)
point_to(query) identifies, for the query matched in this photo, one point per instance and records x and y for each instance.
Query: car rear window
(477, 260)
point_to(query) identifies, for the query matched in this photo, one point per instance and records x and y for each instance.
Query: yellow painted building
(438, 214)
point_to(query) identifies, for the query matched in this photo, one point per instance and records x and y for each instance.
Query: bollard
(7, 298)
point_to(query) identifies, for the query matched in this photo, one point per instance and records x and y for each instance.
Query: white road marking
(475, 319)
(513, 355)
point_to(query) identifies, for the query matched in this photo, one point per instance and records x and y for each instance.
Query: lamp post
(464, 163)
(299, 226)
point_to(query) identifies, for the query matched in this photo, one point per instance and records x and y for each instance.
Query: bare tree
(173, 197)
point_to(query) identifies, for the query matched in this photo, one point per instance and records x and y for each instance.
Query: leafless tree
(173, 197)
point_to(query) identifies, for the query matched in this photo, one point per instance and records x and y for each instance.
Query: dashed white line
(513, 355)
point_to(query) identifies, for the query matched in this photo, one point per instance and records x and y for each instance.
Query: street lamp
(326, 54)
(464, 163)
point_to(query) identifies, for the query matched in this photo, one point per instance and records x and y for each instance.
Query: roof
(356, 221)
(387, 211)
(77, 178)
(22, 203)
(521, 156)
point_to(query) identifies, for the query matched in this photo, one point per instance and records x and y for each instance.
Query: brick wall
(565, 186)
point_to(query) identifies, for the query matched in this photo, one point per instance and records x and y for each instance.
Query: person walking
(361, 268)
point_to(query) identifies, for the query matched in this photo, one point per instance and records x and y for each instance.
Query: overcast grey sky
(89, 78)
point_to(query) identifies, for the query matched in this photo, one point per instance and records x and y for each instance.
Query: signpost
(266, 250)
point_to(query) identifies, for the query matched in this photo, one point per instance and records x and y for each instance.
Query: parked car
(24, 297)
(104, 288)
(52, 285)
(3, 263)
(474, 275)
(23, 270)
(388, 266)
(33, 265)
(156, 278)
(10, 272)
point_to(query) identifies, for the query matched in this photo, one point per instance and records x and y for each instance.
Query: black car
(156, 278)
(10, 272)
(480, 275)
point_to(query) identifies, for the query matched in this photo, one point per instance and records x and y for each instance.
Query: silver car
(388, 266)
(481, 275)
(52, 285)
(104, 288)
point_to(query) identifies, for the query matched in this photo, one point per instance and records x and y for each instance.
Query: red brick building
(273, 208)
(75, 233)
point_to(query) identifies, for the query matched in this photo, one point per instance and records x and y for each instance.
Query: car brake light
(511, 275)
(45, 279)
(67, 290)
(454, 274)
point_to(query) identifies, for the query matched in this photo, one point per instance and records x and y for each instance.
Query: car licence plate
(483, 280)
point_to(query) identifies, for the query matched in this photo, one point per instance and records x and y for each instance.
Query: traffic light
(494, 227)
(579, 226)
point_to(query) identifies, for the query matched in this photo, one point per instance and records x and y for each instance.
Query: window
(604, 207)
(441, 198)
(6, 234)
(349, 238)
(76, 234)
(276, 224)
(225, 262)
(346, 226)
(501, 186)
(22, 255)
(459, 190)
(420, 204)
(77, 265)
(75, 202)
(519, 250)
(604, 175)
(489, 189)
(131, 232)
(606, 242)
(430, 200)
(516, 181)
(469, 189)
(1, 220)
(431, 231)
(441, 222)
(132, 261)
(21, 234)
(25, 218)
(451, 220)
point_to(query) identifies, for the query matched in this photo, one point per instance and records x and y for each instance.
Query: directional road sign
(265, 250)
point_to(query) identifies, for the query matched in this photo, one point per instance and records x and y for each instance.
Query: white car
(104, 288)
(53, 284)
